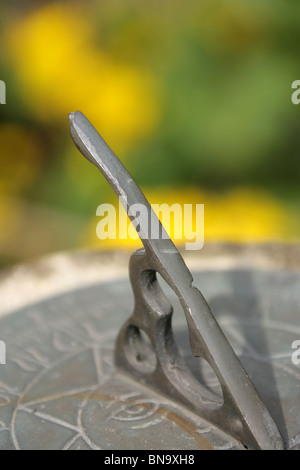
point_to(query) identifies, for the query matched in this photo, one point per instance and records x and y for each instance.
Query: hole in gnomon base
(140, 352)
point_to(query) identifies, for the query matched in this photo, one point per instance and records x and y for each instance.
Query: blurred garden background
(194, 97)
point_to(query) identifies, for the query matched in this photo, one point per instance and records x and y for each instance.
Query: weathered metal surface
(159, 365)
(59, 388)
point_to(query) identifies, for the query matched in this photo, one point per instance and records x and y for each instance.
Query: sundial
(109, 365)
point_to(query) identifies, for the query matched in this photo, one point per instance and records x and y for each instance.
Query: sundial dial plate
(60, 390)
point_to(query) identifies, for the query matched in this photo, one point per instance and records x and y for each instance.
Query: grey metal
(157, 364)
(60, 388)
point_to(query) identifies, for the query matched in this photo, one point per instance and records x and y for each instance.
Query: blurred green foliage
(189, 94)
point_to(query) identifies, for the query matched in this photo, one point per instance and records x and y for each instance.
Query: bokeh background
(194, 97)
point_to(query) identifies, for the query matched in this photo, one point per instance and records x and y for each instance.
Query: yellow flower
(60, 70)
(249, 215)
(241, 215)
